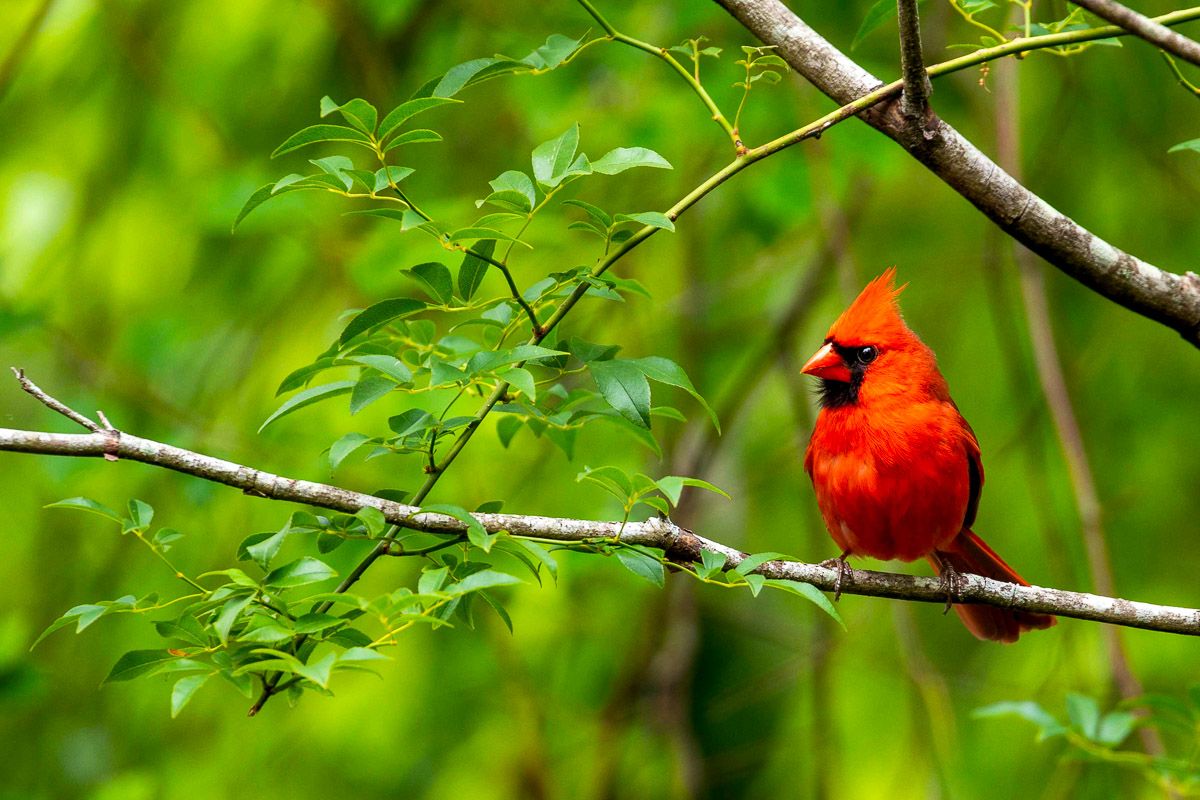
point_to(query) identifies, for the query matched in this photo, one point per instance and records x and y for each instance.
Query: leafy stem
(693, 80)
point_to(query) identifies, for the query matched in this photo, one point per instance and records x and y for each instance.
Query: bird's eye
(866, 355)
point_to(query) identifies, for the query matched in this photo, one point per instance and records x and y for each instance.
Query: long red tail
(968, 553)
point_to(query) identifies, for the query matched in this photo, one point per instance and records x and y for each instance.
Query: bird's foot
(953, 583)
(843, 569)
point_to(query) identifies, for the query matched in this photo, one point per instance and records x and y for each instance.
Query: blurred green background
(132, 133)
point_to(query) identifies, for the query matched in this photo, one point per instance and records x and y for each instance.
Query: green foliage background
(134, 131)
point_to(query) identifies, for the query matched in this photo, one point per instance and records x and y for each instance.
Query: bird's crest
(874, 317)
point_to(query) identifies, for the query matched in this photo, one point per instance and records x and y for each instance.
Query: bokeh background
(133, 131)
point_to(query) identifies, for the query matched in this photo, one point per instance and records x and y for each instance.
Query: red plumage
(896, 469)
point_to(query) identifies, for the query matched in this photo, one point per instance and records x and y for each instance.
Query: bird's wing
(974, 470)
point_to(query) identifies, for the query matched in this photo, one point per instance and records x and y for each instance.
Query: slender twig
(661, 52)
(912, 61)
(52, 404)
(679, 544)
(1145, 28)
(1184, 82)
(516, 293)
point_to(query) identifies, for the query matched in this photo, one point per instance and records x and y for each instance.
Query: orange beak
(826, 363)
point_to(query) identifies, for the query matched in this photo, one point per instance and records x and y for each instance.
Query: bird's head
(869, 338)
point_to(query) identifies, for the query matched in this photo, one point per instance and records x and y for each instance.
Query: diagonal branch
(677, 543)
(1145, 28)
(1163, 296)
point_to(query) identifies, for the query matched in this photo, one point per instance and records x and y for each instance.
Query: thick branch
(679, 544)
(1165, 297)
(1144, 27)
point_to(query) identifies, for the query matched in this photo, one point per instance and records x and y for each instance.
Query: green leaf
(1084, 714)
(309, 396)
(664, 370)
(556, 50)
(751, 563)
(432, 580)
(508, 199)
(391, 366)
(1192, 144)
(552, 159)
(473, 268)
(1048, 726)
(711, 563)
(642, 565)
(411, 421)
(507, 428)
(488, 360)
(319, 672)
(484, 579)
(625, 388)
(183, 691)
(264, 193)
(368, 390)
(408, 109)
(408, 219)
(652, 218)
(321, 133)
(362, 654)
(599, 215)
(672, 486)
(263, 551)
(186, 629)
(877, 14)
(299, 572)
(808, 592)
(357, 112)
(344, 446)
(386, 176)
(521, 380)
(229, 614)
(435, 279)
(413, 137)
(476, 533)
(472, 233)
(457, 77)
(624, 158)
(315, 623)
(137, 663)
(380, 314)
(373, 519)
(1115, 728)
(516, 181)
(84, 504)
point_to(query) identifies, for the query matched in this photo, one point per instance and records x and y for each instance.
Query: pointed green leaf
(408, 109)
(321, 133)
(625, 388)
(183, 691)
(624, 158)
(552, 159)
(309, 396)
(435, 279)
(369, 389)
(664, 370)
(473, 268)
(136, 663)
(652, 218)
(84, 504)
(642, 565)
(381, 314)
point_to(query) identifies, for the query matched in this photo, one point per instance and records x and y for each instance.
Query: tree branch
(677, 543)
(1166, 297)
(912, 62)
(1145, 28)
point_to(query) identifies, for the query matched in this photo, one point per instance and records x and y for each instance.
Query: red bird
(895, 466)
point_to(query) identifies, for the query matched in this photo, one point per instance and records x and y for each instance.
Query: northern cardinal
(895, 466)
